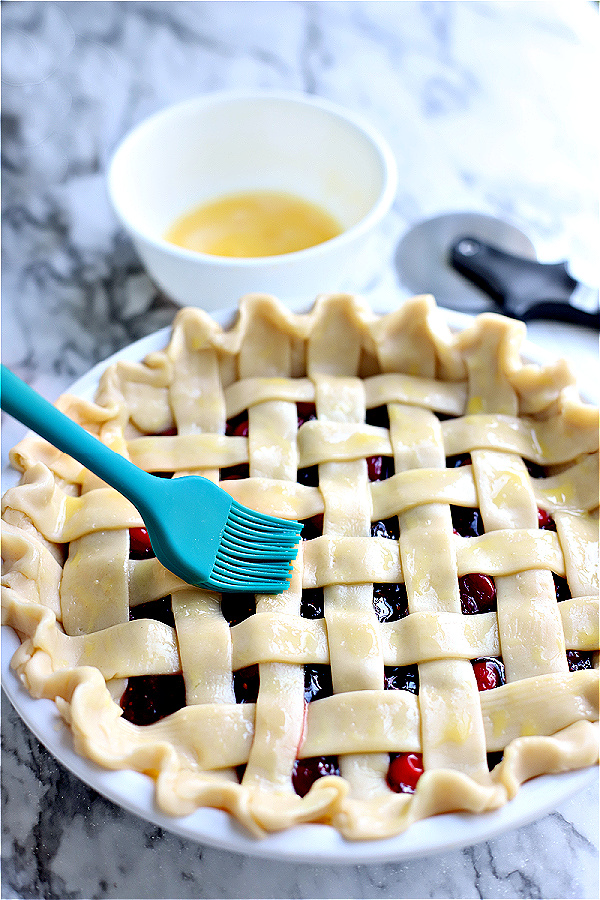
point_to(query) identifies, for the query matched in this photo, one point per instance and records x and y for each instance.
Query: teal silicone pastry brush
(196, 529)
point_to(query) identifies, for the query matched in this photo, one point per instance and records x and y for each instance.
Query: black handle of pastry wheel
(525, 288)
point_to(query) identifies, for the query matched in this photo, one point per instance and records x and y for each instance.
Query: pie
(438, 643)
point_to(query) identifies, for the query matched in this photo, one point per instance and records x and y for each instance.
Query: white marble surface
(489, 106)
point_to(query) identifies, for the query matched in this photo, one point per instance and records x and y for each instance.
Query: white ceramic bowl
(227, 142)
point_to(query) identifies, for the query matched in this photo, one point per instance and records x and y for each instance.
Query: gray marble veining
(68, 841)
(489, 106)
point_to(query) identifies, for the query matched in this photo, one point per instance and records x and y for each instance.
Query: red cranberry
(307, 771)
(404, 772)
(238, 425)
(380, 467)
(477, 593)
(489, 673)
(545, 520)
(139, 544)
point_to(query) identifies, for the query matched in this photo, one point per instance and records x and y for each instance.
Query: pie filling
(442, 618)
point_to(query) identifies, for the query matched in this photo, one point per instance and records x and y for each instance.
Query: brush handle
(32, 410)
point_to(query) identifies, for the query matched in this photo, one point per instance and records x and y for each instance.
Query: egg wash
(253, 224)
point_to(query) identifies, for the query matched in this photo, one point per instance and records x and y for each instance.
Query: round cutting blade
(423, 257)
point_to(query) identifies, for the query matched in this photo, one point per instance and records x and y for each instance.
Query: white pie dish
(309, 843)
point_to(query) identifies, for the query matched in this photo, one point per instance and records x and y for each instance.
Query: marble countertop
(488, 107)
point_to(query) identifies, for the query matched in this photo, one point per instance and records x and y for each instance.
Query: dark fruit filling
(494, 758)
(312, 603)
(312, 528)
(306, 412)
(460, 459)
(405, 768)
(238, 425)
(390, 601)
(148, 698)
(561, 586)
(466, 521)
(307, 771)
(386, 528)
(308, 476)
(404, 772)
(317, 682)
(534, 469)
(402, 678)
(154, 609)
(245, 684)
(237, 607)
(380, 467)
(489, 673)
(464, 459)
(139, 544)
(580, 659)
(378, 416)
(235, 473)
(477, 594)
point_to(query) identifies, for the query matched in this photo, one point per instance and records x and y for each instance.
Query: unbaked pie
(438, 644)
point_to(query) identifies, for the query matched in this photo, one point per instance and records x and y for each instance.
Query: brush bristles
(255, 552)
(225, 580)
(260, 522)
(238, 546)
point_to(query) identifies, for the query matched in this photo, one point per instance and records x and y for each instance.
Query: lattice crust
(69, 584)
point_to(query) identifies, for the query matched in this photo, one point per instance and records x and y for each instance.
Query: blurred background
(488, 106)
